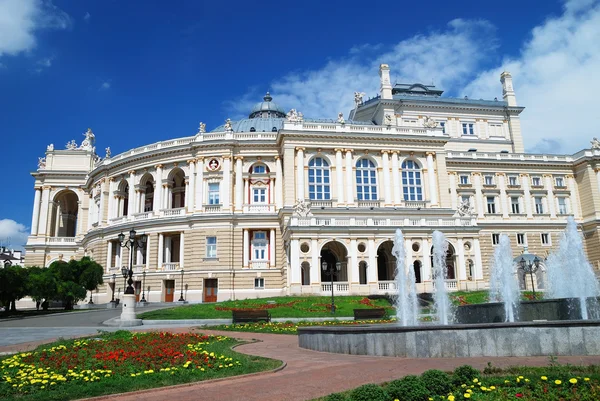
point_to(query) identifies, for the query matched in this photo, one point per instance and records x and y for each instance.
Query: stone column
(111, 199)
(147, 252)
(36, 211)
(45, 205)
(461, 269)
(387, 184)
(186, 197)
(504, 204)
(300, 173)
(426, 272)
(161, 250)
(372, 269)
(101, 218)
(90, 211)
(526, 195)
(572, 189)
(396, 181)
(166, 197)
(181, 249)
(168, 255)
(79, 228)
(432, 178)
(190, 190)
(109, 256)
(226, 191)
(453, 193)
(551, 201)
(199, 183)
(272, 248)
(131, 195)
(339, 174)
(478, 273)
(239, 184)
(246, 194)
(158, 189)
(354, 278)
(295, 263)
(478, 195)
(315, 265)
(245, 247)
(350, 182)
(278, 183)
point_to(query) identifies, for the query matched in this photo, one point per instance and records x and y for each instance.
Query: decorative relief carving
(465, 209)
(50, 148)
(302, 209)
(429, 122)
(387, 119)
(213, 165)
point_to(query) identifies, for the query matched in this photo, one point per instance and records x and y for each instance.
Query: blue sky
(137, 72)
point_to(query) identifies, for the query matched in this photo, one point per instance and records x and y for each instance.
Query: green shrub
(464, 374)
(437, 382)
(368, 392)
(336, 397)
(409, 388)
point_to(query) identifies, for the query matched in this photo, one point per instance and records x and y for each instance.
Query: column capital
(475, 173)
(596, 169)
(131, 172)
(200, 159)
(384, 151)
(547, 175)
(430, 154)
(300, 148)
(39, 188)
(349, 150)
(523, 175)
(569, 176)
(396, 152)
(48, 187)
(500, 174)
(239, 158)
(111, 179)
(277, 157)
(158, 166)
(226, 157)
(338, 150)
(452, 173)
(191, 161)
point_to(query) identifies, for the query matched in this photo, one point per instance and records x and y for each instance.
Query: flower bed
(118, 362)
(292, 327)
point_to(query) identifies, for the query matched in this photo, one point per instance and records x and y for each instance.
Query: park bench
(366, 314)
(252, 315)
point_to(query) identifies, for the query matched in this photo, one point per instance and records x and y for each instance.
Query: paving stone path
(309, 374)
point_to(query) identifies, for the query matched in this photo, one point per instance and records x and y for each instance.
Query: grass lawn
(120, 362)
(291, 307)
(33, 312)
(552, 383)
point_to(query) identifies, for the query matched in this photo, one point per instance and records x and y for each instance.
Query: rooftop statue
(595, 143)
(50, 148)
(201, 128)
(107, 153)
(71, 145)
(41, 162)
(387, 119)
(340, 118)
(294, 116)
(358, 98)
(228, 126)
(88, 142)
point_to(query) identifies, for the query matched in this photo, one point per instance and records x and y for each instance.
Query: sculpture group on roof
(201, 128)
(294, 116)
(595, 143)
(340, 118)
(358, 98)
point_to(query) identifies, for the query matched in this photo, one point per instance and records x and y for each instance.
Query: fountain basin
(574, 337)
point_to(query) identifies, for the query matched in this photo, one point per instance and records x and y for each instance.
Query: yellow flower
(475, 380)
(587, 379)
(492, 387)
(450, 398)
(573, 381)
(467, 395)
(544, 378)
(557, 382)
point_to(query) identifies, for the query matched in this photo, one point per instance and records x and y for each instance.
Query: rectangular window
(464, 179)
(559, 181)
(491, 204)
(539, 205)
(512, 180)
(259, 283)
(468, 128)
(536, 181)
(514, 204)
(488, 180)
(213, 193)
(521, 239)
(545, 239)
(259, 195)
(495, 129)
(259, 169)
(259, 245)
(495, 239)
(443, 125)
(211, 247)
(562, 205)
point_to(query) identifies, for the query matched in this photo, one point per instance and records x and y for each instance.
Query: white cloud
(21, 19)
(13, 234)
(104, 86)
(87, 17)
(556, 79)
(448, 57)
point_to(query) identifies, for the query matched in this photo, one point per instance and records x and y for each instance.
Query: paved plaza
(305, 374)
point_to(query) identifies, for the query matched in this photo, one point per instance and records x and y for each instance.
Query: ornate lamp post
(181, 296)
(112, 299)
(131, 243)
(530, 264)
(143, 286)
(331, 270)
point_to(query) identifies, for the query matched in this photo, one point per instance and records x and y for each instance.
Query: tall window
(514, 204)
(468, 128)
(562, 205)
(539, 205)
(521, 239)
(545, 237)
(259, 195)
(211, 247)
(259, 245)
(318, 179)
(560, 181)
(443, 125)
(512, 180)
(536, 181)
(411, 181)
(488, 180)
(491, 204)
(366, 180)
(464, 180)
(495, 239)
(213, 193)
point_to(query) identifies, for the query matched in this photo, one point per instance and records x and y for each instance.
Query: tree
(75, 278)
(13, 286)
(41, 284)
(90, 276)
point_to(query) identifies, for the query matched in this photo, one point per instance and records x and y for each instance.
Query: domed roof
(267, 108)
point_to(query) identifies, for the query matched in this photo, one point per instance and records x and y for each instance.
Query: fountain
(569, 273)
(503, 282)
(406, 301)
(443, 306)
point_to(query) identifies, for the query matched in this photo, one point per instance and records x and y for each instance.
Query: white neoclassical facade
(255, 207)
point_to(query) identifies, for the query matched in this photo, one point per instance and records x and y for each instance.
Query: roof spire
(267, 97)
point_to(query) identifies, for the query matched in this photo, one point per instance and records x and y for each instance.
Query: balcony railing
(212, 208)
(366, 222)
(415, 204)
(387, 286)
(321, 203)
(138, 268)
(180, 211)
(143, 215)
(120, 219)
(171, 266)
(337, 287)
(61, 240)
(369, 203)
(259, 264)
(259, 208)
(451, 285)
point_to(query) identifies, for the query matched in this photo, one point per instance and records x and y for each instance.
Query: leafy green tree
(75, 278)
(13, 286)
(42, 284)
(90, 276)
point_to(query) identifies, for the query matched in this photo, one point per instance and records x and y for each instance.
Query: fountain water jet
(443, 306)
(504, 286)
(569, 273)
(406, 302)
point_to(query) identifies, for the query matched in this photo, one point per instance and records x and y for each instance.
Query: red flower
(519, 395)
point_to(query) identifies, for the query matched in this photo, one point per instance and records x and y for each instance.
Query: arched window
(252, 129)
(411, 181)
(366, 180)
(305, 267)
(318, 179)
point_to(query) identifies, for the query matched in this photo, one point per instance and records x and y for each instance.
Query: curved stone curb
(216, 322)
